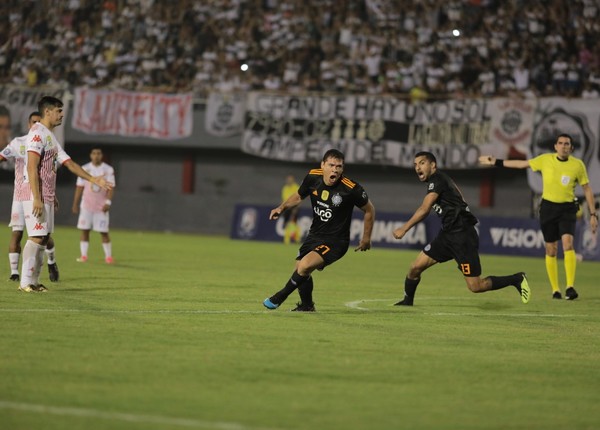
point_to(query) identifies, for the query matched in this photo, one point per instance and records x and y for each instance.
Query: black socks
(499, 282)
(294, 282)
(305, 290)
(410, 288)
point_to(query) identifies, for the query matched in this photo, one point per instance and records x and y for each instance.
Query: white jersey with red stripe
(94, 197)
(16, 151)
(44, 143)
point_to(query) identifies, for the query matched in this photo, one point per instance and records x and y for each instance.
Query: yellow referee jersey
(288, 190)
(559, 177)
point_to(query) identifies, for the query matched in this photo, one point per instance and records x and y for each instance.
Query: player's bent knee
(476, 285)
(415, 271)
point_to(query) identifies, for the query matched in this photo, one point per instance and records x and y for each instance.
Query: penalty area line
(121, 416)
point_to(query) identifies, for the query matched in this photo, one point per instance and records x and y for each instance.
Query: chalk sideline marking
(356, 304)
(133, 311)
(120, 416)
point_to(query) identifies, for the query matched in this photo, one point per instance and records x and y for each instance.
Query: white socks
(50, 255)
(83, 247)
(13, 259)
(107, 249)
(33, 258)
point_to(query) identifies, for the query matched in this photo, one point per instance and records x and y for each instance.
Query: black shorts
(331, 250)
(462, 246)
(557, 219)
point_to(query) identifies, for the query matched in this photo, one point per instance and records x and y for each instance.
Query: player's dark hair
(428, 155)
(568, 136)
(333, 153)
(32, 114)
(48, 102)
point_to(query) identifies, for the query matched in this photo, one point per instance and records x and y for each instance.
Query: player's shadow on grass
(494, 306)
(84, 289)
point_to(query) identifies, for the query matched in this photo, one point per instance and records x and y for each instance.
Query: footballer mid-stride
(333, 197)
(457, 240)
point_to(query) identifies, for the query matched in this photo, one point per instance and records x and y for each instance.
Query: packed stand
(432, 48)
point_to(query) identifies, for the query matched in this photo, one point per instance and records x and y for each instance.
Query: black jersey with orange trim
(332, 205)
(450, 205)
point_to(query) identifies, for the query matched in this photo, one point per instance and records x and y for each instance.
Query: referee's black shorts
(557, 219)
(330, 249)
(462, 246)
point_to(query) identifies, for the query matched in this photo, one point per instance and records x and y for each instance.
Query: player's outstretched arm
(292, 201)
(488, 160)
(78, 170)
(368, 221)
(419, 215)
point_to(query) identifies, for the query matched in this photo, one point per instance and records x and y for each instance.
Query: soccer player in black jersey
(333, 197)
(457, 239)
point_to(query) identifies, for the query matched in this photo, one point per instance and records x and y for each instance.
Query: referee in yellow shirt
(561, 172)
(290, 217)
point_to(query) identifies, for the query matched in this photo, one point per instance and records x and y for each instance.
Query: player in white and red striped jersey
(16, 151)
(95, 205)
(43, 154)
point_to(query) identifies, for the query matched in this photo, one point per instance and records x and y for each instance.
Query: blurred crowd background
(417, 49)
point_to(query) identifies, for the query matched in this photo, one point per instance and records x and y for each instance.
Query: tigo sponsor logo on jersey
(324, 214)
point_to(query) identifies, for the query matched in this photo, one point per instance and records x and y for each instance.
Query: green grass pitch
(174, 335)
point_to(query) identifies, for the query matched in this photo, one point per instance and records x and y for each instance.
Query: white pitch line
(356, 305)
(352, 305)
(133, 311)
(490, 314)
(128, 417)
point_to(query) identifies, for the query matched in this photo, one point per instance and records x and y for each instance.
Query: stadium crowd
(430, 48)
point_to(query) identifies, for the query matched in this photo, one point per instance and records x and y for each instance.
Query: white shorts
(41, 226)
(17, 216)
(97, 221)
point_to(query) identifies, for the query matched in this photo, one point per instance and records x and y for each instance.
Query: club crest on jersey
(324, 195)
(565, 180)
(49, 141)
(336, 199)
